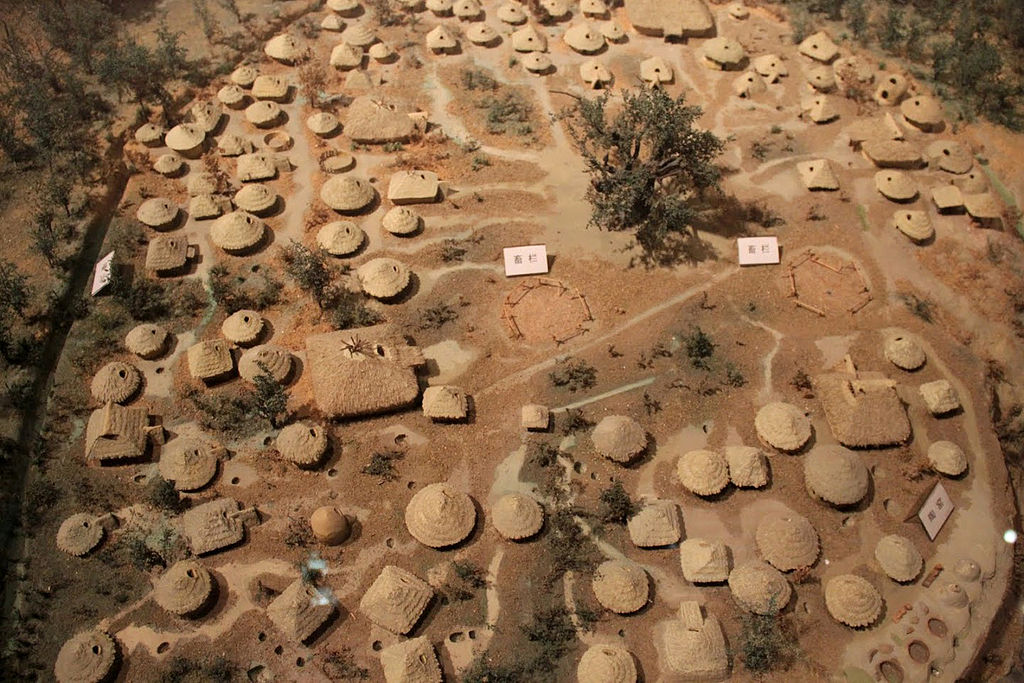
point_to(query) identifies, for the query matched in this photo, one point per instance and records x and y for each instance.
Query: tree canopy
(647, 162)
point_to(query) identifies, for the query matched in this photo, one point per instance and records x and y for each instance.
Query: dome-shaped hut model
(852, 600)
(760, 588)
(612, 31)
(115, 382)
(655, 525)
(285, 48)
(242, 327)
(207, 206)
(748, 466)
(343, 7)
(704, 561)
(895, 185)
(583, 38)
(528, 39)
(482, 34)
(322, 123)
(536, 63)
(401, 220)
(556, 9)
(206, 115)
(517, 516)
(244, 76)
(723, 53)
(782, 426)
(231, 95)
(79, 534)
(256, 198)
(914, 224)
(703, 472)
(88, 657)
(890, 89)
(619, 438)
(787, 541)
(202, 182)
(967, 570)
(340, 238)
(185, 588)
(606, 664)
(595, 74)
(467, 10)
(819, 47)
(441, 8)
(621, 586)
(441, 41)
(512, 12)
(898, 558)
(383, 278)
(146, 340)
(593, 8)
(835, 475)
(237, 231)
(231, 145)
(186, 139)
(953, 595)
(345, 56)
(939, 397)
(945, 457)
(656, 71)
(904, 353)
(438, 516)
(972, 182)
(950, 156)
(737, 10)
(360, 35)
(255, 166)
(168, 164)
(381, 52)
(330, 525)
(263, 113)
(411, 661)
(822, 79)
(274, 360)
(158, 213)
(748, 84)
(347, 194)
(150, 135)
(333, 23)
(190, 463)
(923, 111)
(273, 88)
(302, 443)
(396, 600)
(445, 402)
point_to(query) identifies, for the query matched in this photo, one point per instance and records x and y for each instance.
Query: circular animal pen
(826, 284)
(542, 309)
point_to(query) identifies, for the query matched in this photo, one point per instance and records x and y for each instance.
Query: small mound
(787, 541)
(853, 601)
(836, 475)
(947, 458)
(621, 586)
(517, 516)
(703, 472)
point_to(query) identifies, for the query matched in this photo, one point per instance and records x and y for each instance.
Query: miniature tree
(271, 400)
(310, 271)
(647, 164)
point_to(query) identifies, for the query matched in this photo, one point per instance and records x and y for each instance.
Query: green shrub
(616, 507)
(574, 374)
(699, 348)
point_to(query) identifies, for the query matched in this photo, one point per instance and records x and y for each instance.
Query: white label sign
(756, 251)
(529, 260)
(935, 511)
(102, 273)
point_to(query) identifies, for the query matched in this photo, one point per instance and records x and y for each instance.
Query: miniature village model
(397, 377)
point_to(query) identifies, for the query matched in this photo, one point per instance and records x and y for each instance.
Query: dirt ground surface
(862, 283)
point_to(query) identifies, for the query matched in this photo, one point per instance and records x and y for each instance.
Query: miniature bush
(349, 309)
(341, 665)
(922, 308)
(452, 251)
(576, 421)
(765, 644)
(215, 670)
(699, 348)
(616, 507)
(478, 79)
(269, 397)
(436, 317)
(507, 114)
(310, 271)
(162, 495)
(382, 464)
(574, 374)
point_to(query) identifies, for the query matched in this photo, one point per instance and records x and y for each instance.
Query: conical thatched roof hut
(263, 113)
(157, 213)
(441, 41)
(748, 84)
(619, 438)
(359, 34)
(923, 111)
(186, 139)
(345, 56)
(273, 359)
(206, 207)
(895, 185)
(285, 48)
(703, 472)
(467, 10)
(401, 220)
(344, 7)
(322, 123)
(528, 39)
(482, 34)
(787, 541)
(512, 12)
(411, 661)
(115, 382)
(232, 96)
(770, 66)
(822, 78)
(189, 463)
(168, 164)
(244, 75)
(210, 360)
(723, 53)
(817, 175)
(231, 145)
(612, 31)
(88, 657)
(146, 341)
(914, 224)
(242, 327)
(621, 586)
(273, 88)
(536, 62)
(256, 198)
(150, 135)
(950, 156)
(202, 182)
(167, 254)
(655, 525)
(79, 534)
(656, 71)
(332, 22)
(819, 47)
(898, 558)
(206, 115)
(782, 426)
(853, 601)
(594, 73)
(185, 588)
(606, 664)
(890, 89)
(340, 238)
(704, 561)
(347, 194)
(517, 516)
(237, 231)
(904, 353)
(748, 466)
(383, 278)
(381, 51)
(256, 166)
(302, 443)
(438, 516)
(759, 588)
(396, 600)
